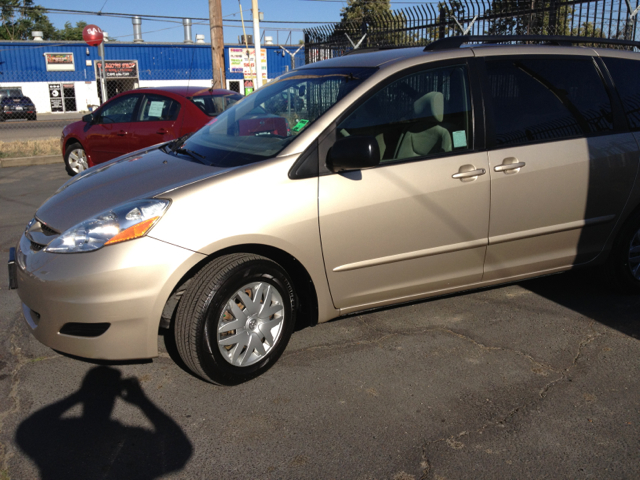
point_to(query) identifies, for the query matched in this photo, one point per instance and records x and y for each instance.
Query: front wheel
(235, 318)
(623, 265)
(75, 159)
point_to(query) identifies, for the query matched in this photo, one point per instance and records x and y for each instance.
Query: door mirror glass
(353, 153)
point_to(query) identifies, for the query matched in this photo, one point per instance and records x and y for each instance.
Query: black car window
(625, 75)
(215, 105)
(537, 99)
(120, 110)
(158, 108)
(419, 115)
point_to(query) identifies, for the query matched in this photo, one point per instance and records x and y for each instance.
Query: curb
(26, 161)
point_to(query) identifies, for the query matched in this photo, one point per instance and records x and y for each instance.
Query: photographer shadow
(94, 445)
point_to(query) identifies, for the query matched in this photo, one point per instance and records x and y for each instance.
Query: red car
(137, 119)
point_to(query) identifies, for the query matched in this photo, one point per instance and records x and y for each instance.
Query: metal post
(103, 86)
(256, 42)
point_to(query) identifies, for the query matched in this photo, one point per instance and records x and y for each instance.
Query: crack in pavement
(452, 440)
(13, 397)
(468, 338)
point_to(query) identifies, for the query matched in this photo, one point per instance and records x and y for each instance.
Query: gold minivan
(403, 174)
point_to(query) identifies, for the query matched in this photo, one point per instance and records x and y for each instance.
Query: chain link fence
(45, 86)
(423, 24)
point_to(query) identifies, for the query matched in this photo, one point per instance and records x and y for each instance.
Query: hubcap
(250, 324)
(78, 160)
(634, 256)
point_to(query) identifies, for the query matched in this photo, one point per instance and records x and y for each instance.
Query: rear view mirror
(353, 153)
(302, 90)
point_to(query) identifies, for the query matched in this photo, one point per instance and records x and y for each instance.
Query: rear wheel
(623, 265)
(75, 159)
(235, 318)
(32, 117)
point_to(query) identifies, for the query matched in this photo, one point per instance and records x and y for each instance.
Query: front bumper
(124, 285)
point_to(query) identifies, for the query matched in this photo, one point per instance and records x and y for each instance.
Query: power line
(151, 17)
(372, 1)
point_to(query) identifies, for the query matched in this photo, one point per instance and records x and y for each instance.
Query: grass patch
(30, 148)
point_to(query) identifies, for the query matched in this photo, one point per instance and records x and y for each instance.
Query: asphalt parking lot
(534, 380)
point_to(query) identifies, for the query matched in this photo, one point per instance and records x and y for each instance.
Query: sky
(171, 30)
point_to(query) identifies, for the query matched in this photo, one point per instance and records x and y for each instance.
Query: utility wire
(150, 17)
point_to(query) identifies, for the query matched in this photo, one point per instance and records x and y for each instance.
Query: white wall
(38, 92)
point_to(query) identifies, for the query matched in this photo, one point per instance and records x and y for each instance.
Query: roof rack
(357, 51)
(458, 41)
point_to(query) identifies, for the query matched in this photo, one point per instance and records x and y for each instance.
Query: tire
(2, 118)
(75, 159)
(623, 265)
(32, 117)
(222, 335)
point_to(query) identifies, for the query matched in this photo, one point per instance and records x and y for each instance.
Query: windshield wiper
(177, 143)
(191, 153)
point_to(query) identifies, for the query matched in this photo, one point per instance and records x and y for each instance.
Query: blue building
(62, 76)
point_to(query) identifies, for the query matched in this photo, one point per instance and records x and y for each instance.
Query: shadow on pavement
(94, 445)
(585, 292)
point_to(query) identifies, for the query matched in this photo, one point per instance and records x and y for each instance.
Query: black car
(17, 107)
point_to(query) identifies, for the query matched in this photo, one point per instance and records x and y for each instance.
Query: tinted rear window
(215, 105)
(538, 99)
(626, 75)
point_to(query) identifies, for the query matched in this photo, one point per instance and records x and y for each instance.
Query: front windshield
(262, 124)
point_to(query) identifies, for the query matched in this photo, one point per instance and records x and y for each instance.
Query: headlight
(125, 222)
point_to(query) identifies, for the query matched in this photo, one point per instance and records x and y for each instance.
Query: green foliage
(546, 21)
(69, 32)
(358, 10)
(21, 17)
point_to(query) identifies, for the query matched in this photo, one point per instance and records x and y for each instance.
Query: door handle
(162, 131)
(121, 133)
(509, 165)
(469, 173)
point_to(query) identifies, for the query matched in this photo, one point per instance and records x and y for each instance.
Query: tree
(530, 17)
(358, 10)
(20, 17)
(69, 32)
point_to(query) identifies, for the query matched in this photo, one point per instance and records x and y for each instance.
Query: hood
(142, 174)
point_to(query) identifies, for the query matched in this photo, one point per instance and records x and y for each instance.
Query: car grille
(36, 247)
(48, 230)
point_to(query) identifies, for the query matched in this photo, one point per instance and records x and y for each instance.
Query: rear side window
(213, 106)
(538, 99)
(157, 108)
(626, 76)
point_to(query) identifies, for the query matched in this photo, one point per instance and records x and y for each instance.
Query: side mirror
(353, 153)
(88, 118)
(302, 90)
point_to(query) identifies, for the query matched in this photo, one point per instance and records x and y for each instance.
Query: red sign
(92, 35)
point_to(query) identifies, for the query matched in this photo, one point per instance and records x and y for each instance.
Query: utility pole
(256, 42)
(217, 44)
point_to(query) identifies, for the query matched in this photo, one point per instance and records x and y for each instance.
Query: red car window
(157, 108)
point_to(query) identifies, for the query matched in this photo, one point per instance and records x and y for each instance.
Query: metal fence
(45, 86)
(423, 24)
